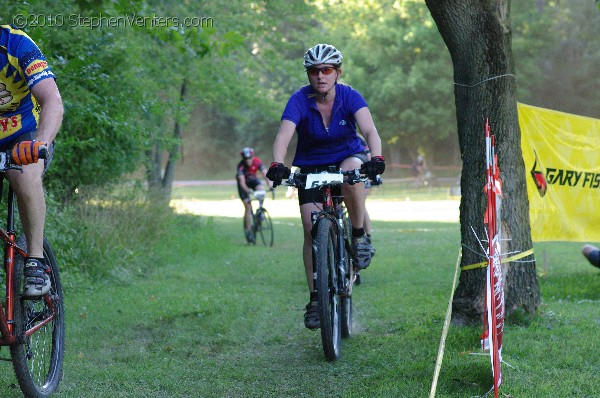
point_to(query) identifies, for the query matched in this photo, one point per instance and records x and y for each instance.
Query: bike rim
(39, 348)
(38, 360)
(265, 229)
(330, 306)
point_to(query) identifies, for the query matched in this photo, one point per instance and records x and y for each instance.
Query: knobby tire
(347, 298)
(263, 226)
(38, 359)
(324, 262)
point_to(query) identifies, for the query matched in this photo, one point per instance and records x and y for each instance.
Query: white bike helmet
(322, 54)
(247, 153)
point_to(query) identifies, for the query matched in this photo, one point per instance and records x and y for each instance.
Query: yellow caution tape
(502, 261)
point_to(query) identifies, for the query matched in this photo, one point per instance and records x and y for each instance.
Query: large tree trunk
(477, 34)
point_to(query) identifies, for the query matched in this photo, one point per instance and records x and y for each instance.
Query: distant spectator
(420, 171)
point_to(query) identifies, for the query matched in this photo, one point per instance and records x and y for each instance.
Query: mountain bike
(261, 220)
(334, 267)
(33, 328)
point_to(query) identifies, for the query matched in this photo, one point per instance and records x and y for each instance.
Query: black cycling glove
(373, 167)
(277, 172)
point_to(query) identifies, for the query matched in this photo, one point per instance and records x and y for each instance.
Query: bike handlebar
(262, 194)
(324, 178)
(7, 163)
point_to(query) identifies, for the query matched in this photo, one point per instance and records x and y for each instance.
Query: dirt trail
(380, 210)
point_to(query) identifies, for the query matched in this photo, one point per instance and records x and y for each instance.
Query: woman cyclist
(325, 115)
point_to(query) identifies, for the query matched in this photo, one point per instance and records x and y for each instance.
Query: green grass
(203, 315)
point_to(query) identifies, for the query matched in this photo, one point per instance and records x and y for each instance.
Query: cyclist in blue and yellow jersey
(31, 113)
(247, 181)
(325, 114)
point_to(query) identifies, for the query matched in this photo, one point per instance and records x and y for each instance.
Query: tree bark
(153, 170)
(477, 34)
(167, 182)
(160, 185)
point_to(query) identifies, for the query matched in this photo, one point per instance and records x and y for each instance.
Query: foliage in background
(557, 56)
(245, 92)
(99, 139)
(402, 67)
(107, 237)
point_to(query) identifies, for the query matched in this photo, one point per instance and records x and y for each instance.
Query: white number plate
(317, 180)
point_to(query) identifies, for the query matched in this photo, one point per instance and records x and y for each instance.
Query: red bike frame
(7, 320)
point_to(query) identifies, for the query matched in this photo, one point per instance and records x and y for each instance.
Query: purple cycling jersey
(318, 145)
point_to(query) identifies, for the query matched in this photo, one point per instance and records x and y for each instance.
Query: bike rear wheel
(324, 262)
(346, 303)
(38, 358)
(263, 227)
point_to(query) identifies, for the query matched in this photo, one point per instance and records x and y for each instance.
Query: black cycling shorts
(251, 183)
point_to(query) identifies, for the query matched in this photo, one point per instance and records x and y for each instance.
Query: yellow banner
(562, 162)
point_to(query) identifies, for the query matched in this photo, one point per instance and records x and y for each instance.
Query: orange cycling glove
(26, 152)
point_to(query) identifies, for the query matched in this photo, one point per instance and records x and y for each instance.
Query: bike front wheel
(349, 280)
(40, 327)
(324, 262)
(263, 227)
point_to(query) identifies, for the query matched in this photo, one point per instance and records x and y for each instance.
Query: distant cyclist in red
(247, 181)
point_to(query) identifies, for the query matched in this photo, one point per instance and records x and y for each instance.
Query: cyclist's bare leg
(259, 187)
(367, 223)
(29, 191)
(354, 195)
(247, 214)
(305, 211)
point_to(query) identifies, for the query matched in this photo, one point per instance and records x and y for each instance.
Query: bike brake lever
(290, 180)
(354, 176)
(43, 152)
